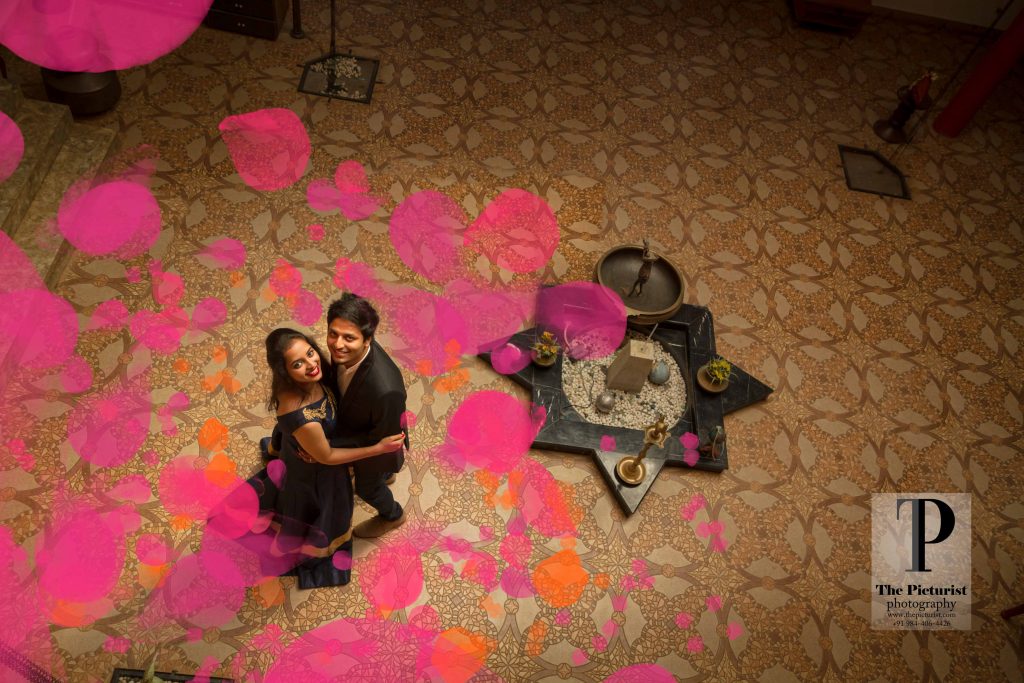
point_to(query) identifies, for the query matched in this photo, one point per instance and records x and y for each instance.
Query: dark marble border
(689, 336)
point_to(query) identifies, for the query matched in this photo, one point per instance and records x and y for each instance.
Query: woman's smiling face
(302, 362)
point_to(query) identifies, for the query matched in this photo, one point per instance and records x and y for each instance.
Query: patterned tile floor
(890, 330)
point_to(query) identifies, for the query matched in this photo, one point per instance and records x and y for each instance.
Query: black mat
(341, 77)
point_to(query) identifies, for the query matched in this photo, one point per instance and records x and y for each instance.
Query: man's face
(346, 342)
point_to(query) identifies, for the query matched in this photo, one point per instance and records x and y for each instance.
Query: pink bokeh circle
(270, 147)
(80, 558)
(96, 35)
(516, 231)
(490, 430)
(12, 146)
(426, 231)
(118, 217)
(588, 319)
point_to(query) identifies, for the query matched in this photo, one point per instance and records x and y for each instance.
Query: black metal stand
(297, 31)
(340, 77)
(891, 129)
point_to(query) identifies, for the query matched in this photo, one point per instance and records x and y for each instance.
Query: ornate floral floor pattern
(508, 146)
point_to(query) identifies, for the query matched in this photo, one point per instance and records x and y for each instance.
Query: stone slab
(45, 127)
(629, 497)
(10, 98)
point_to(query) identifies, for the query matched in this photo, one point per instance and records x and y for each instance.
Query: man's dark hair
(357, 311)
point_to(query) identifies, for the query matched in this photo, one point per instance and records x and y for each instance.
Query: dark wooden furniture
(844, 16)
(257, 18)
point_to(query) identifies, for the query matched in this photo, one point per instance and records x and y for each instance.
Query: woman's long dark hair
(279, 341)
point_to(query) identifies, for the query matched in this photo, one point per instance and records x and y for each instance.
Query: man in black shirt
(371, 401)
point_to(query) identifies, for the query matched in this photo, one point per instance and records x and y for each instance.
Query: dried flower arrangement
(719, 369)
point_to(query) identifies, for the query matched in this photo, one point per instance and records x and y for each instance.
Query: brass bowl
(663, 293)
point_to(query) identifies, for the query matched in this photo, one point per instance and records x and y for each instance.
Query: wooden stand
(845, 16)
(257, 18)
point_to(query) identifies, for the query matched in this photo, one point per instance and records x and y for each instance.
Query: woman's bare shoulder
(289, 402)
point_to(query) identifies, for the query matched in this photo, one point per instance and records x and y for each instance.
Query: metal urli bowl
(662, 294)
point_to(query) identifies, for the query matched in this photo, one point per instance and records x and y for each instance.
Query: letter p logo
(947, 522)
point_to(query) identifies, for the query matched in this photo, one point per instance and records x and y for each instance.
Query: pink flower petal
(285, 279)
(134, 488)
(270, 147)
(13, 144)
(120, 217)
(97, 36)
(517, 231)
(426, 231)
(307, 308)
(610, 628)
(691, 457)
(208, 314)
(168, 288)
(356, 207)
(112, 313)
(718, 544)
(350, 178)
(226, 253)
(276, 472)
(76, 375)
(322, 196)
(342, 560)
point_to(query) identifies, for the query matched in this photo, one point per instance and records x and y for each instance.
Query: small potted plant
(545, 350)
(714, 375)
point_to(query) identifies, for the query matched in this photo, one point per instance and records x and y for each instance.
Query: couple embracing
(332, 412)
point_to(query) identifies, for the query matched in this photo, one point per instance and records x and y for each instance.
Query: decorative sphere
(605, 402)
(659, 373)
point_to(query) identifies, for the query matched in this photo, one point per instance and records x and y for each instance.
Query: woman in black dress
(310, 502)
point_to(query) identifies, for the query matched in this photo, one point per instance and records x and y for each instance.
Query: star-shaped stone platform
(689, 336)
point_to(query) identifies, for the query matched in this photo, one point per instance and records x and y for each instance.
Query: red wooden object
(973, 93)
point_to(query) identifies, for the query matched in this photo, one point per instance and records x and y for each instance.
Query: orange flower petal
(270, 592)
(560, 579)
(214, 435)
(153, 576)
(211, 382)
(222, 470)
(181, 522)
(453, 348)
